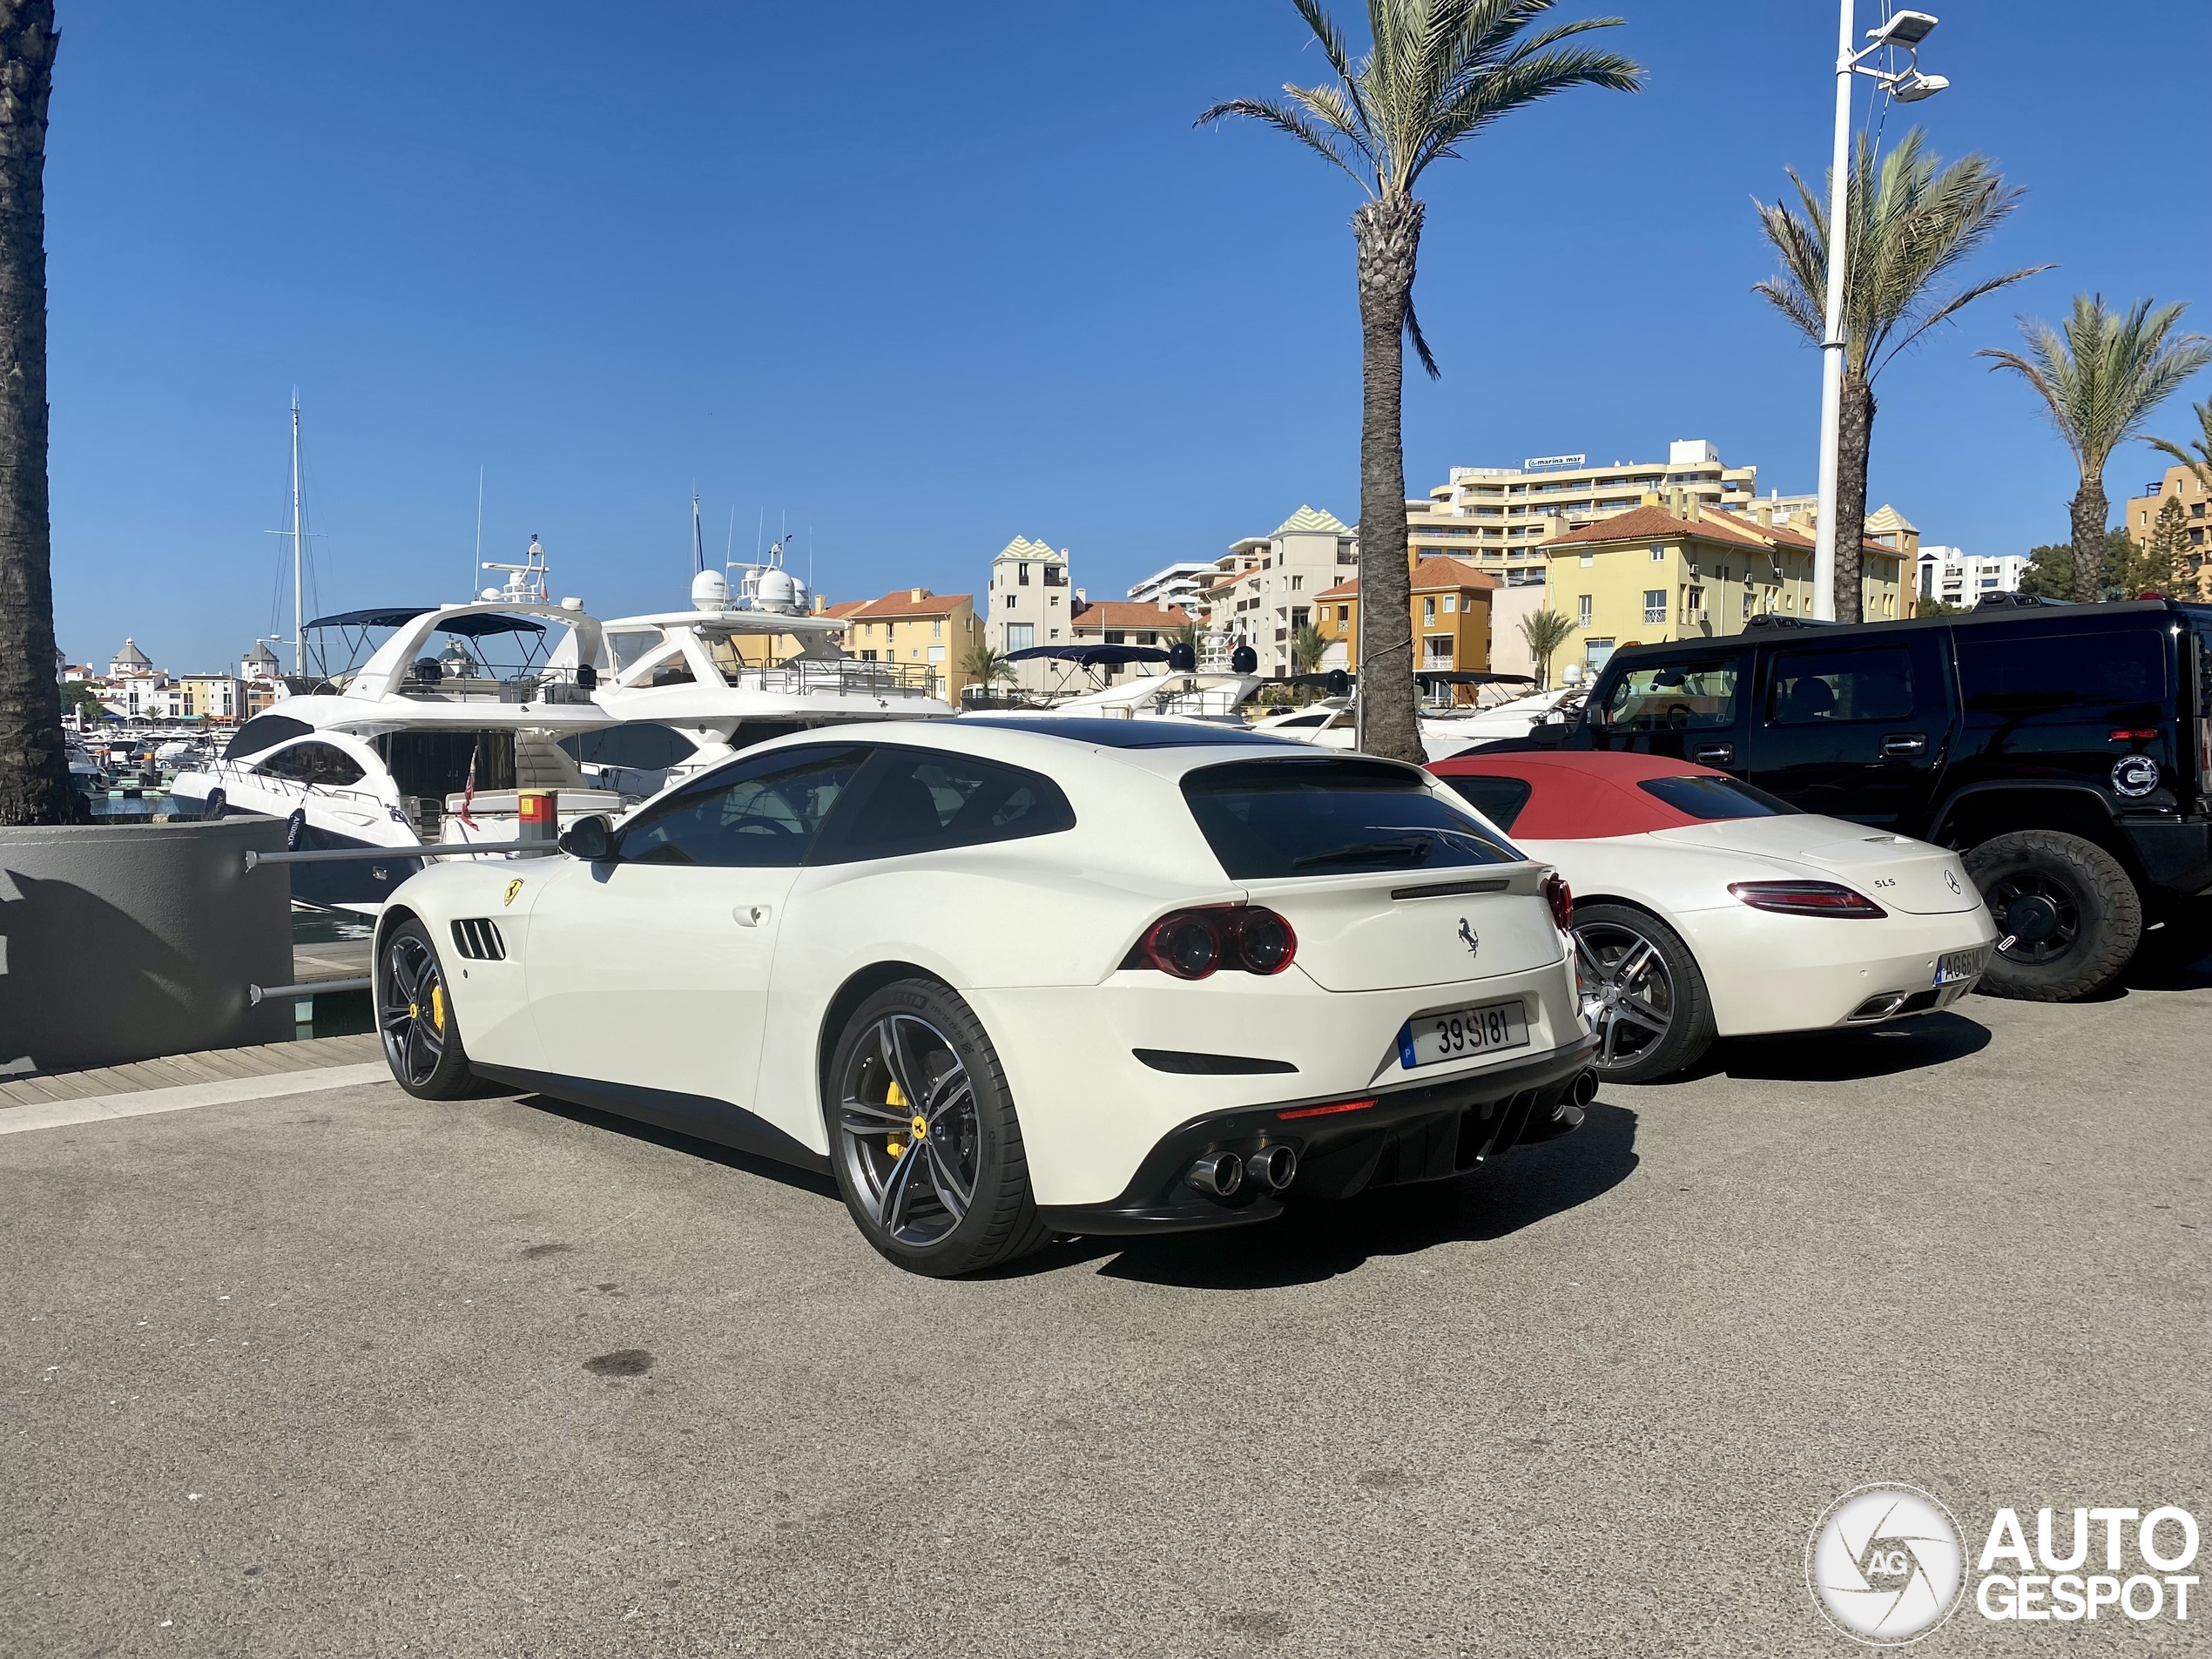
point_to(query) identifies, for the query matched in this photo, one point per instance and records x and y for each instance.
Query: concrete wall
(1509, 652)
(122, 942)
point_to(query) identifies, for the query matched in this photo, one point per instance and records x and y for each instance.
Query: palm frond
(1282, 120)
(1957, 302)
(2200, 462)
(1420, 346)
(1331, 38)
(2102, 374)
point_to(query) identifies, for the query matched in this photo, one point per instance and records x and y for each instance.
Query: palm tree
(2099, 379)
(1308, 646)
(1912, 221)
(34, 761)
(985, 666)
(1545, 630)
(1436, 73)
(2198, 459)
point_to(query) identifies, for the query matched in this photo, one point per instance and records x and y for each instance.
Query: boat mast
(298, 556)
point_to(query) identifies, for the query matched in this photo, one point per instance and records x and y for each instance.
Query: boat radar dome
(779, 591)
(710, 591)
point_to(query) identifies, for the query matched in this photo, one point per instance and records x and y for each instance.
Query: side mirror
(591, 839)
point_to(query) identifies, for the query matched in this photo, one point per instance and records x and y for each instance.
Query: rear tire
(414, 1017)
(2073, 917)
(923, 1137)
(1641, 992)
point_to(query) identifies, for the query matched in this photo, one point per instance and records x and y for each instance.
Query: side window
(759, 813)
(313, 763)
(1833, 686)
(923, 800)
(2112, 676)
(1499, 800)
(643, 744)
(1674, 697)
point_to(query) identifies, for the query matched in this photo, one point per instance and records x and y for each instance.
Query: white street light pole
(1908, 85)
(1832, 344)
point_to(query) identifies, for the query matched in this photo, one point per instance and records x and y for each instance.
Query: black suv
(2066, 750)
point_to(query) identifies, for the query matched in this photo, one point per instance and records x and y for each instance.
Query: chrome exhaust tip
(1273, 1167)
(1583, 1090)
(1880, 1007)
(1218, 1175)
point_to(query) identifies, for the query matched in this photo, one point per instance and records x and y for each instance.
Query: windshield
(1332, 816)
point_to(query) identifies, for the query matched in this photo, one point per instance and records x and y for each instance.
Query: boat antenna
(477, 568)
(760, 533)
(298, 556)
(730, 547)
(699, 552)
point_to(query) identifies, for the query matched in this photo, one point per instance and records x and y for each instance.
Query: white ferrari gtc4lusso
(1704, 908)
(1007, 978)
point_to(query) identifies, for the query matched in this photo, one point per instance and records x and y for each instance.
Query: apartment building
(1660, 573)
(1952, 577)
(1180, 584)
(1268, 587)
(2183, 485)
(208, 696)
(1451, 615)
(927, 634)
(1126, 622)
(1029, 603)
(1499, 519)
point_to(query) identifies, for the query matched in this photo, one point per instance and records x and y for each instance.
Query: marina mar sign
(1546, 463)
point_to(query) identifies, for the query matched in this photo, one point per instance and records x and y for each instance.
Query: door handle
(1902, 745)
(1714, 754)
(750, 916)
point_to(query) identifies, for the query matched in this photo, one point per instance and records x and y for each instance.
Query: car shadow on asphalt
(788, 1175)
(1840, 1056)
(1312, 1243)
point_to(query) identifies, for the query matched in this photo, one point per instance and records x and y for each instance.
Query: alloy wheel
(1626, 995)
(2037, 914)
(907, 1130)
(412, 1010)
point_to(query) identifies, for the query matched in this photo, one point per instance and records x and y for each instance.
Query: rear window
(2111, 677)
(1338, 816)
(1713, 798)
(1499, 800)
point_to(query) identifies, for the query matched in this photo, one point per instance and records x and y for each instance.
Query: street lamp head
(1914, 87)
(1905, 29)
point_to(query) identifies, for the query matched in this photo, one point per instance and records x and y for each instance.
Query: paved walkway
(217, 1065)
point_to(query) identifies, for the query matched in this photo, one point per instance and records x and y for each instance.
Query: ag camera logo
(1886, 1564)
(2134, 776)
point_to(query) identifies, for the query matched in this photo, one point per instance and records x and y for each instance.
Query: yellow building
(1657, 574)
(1451, 615)
(2195, 579)
(929, 633)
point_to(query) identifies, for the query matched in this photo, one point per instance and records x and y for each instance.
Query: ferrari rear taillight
(1191, 944)
(1560, 898)
(1805, 899)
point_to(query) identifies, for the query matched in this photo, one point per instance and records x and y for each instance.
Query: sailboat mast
(298, 556)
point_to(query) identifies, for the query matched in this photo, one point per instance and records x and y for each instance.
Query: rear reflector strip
(1324, 1111)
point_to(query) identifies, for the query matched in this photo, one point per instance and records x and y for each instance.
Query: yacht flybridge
(454, 710)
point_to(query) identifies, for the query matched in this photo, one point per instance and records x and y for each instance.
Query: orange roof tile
(893, 606)
(1129, 613)
(1429, 575)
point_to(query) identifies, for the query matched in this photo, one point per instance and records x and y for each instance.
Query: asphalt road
(348, 1374)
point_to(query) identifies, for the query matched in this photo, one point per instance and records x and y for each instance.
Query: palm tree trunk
(34, 762)
(1856, 444)
(2089, 509)
(1388, 234)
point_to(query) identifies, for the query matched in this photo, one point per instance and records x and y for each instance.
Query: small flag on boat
(469, 789)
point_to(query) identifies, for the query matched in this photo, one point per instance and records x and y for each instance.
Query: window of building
(1658, 554)
(1695, 603)
(937, 627)
(1588, 559)
(1428, 610)
(1451, 602)
(1020, 635)
(1344, 615)
(1654, 604)
(1022, 575)
(1296, 583)
(1583, 610)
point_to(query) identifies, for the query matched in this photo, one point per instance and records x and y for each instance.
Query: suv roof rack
(2011, 601)
(1769, 619)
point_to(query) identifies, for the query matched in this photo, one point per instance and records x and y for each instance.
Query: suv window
(1809, 686)
(925, 800)
(765, 812)
(313, 763)
(2115, 676)
(1332, 817)
(1499, 800)
(1673, 697)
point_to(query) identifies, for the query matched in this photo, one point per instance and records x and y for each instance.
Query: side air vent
(478, 940)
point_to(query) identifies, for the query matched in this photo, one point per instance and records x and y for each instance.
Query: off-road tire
(2104, 914)
(1000, 1221)
(409, 1017)
(1689, 1013)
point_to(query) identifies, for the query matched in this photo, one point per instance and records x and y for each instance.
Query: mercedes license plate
(1955, 965)
(1458, 1033)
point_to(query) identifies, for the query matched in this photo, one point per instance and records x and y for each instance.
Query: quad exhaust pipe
(1584, 1089)
(1222, 1175)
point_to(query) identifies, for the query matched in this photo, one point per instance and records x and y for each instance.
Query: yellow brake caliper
(894, 1095)
(438, 1007)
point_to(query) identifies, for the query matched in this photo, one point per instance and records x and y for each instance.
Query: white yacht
(1168, 685)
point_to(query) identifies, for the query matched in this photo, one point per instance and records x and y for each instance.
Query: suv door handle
(1714, 754)
(1902, 744)
(750, 916)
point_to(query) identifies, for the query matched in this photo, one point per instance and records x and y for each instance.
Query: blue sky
(924, 279)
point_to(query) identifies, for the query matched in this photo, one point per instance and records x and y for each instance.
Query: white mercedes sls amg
(1007, 978)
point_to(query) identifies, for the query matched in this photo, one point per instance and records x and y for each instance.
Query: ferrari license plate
(1955, 965)
(1458, 1034)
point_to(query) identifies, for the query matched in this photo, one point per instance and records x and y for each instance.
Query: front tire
(2072, 915)
(1642, 994)
(414, 1017)
(923, 1137)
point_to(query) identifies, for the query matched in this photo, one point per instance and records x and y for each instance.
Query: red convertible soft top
(1579, 794)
